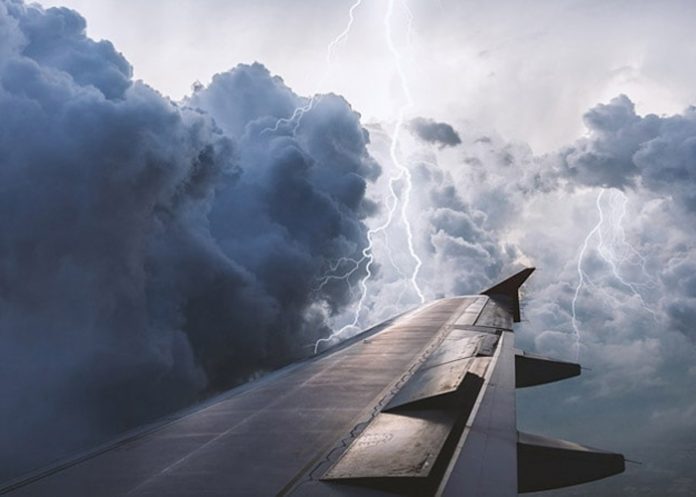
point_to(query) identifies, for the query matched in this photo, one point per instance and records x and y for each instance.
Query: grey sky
(526, 69)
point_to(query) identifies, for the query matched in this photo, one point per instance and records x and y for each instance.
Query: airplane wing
(422, 405)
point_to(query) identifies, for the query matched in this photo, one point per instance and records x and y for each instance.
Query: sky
(181, 213)
(529, 72)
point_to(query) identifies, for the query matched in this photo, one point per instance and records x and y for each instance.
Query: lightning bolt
(296, 118)
(402, 174)
(333, 275)
(343, 36)
(618, 203)
(581, 275)
(368, 258)
(614, 252)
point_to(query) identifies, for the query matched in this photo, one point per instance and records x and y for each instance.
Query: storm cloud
(434, 132)
(625, 190)
(623, 149)
(155, 252)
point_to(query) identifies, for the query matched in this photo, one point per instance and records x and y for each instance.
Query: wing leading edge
(423, 405)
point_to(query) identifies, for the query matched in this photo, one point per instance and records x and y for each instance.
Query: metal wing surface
(422, 405)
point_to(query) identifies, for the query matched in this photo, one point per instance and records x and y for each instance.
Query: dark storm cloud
(624, 148)
(150, 254)
(679, 277)
(438, 133)
(655, 156)
(306, 180)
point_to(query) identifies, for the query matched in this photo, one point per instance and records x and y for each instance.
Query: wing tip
(508, 289)
(511, 285)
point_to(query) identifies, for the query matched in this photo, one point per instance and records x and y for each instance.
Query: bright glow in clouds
(401, 175)
(615, 251)
(404, 172)
(581, 274)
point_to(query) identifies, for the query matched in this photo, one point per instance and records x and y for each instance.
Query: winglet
(509, 291)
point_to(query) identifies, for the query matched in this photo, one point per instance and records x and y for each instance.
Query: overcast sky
(527, 69)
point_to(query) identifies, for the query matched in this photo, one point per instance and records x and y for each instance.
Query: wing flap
(545, 463)
(452, 371)
(532, 370)
(407, 447)
(386, 448)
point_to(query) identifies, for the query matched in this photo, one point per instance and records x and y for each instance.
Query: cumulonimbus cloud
(624, 148)
(151, 251)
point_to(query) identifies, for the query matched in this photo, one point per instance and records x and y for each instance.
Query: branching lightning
(581, 274)
(343, 36)
(614, 250)
(623, 252)
(368, 259)
(393, 150)
(334, 274)
(394, 201)
(296, 118)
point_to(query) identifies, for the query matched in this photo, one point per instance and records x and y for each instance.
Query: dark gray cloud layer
(153, 252)
(438, 133)
(624, 148)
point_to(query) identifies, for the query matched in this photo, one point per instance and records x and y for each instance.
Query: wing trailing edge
(423, 405)
(450, 429)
